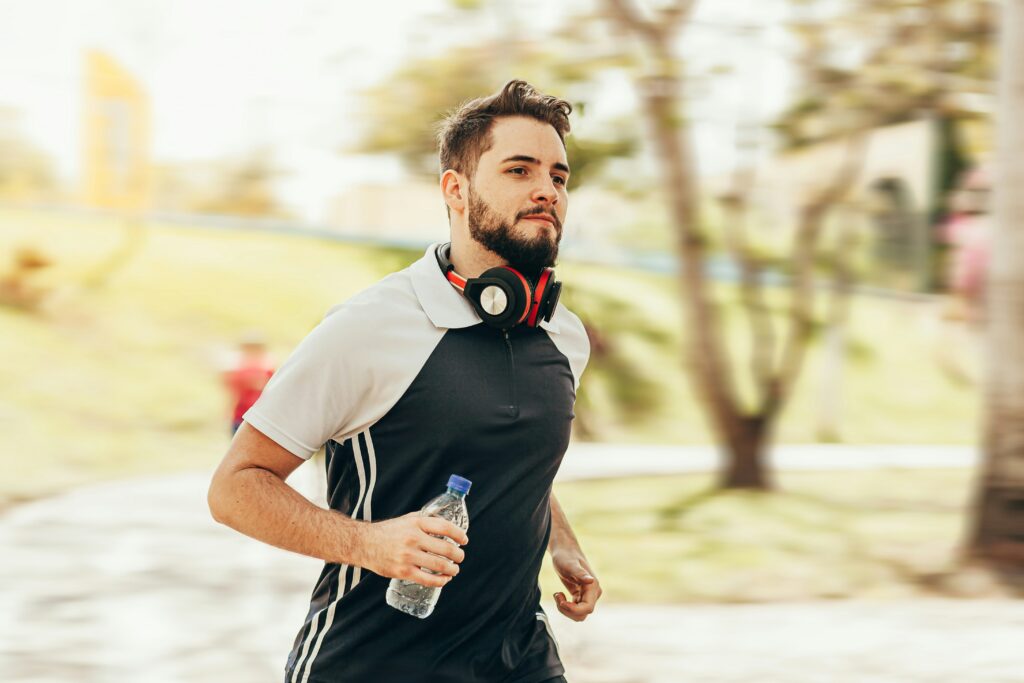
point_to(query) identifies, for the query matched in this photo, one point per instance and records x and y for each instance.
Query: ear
(454, 187)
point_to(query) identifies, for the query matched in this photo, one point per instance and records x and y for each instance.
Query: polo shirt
(405, 386)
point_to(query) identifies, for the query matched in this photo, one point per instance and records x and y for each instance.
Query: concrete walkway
(590, 461)
(132, 581)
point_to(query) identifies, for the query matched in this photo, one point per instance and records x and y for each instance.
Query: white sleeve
(572, 342)
(316, 393)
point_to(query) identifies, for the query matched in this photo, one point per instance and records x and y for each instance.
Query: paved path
(132, 581)
(587, 461)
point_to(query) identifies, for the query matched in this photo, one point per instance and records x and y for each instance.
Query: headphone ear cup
(551, 300)
(545, 298)
(540, 294)
(523, 290)
(501, 297)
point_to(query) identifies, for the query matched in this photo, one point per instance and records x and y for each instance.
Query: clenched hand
(581, 583)
(403, 547)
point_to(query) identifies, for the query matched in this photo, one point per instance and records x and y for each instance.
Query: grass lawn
(823, 535)
(122, 378)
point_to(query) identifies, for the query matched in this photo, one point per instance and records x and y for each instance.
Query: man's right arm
(249, 494)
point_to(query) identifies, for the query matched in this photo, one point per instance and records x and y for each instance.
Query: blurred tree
(997, 530)
(743, 431)
(869, 63)
(242, 187)
(26, 172)
(403, 110)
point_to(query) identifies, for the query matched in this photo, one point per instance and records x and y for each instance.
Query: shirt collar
(442, 303)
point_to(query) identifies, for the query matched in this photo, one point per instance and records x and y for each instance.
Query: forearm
(562, 537)
(572, 568)
(258, 503)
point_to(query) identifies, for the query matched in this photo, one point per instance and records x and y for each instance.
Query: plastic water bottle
(413, 598)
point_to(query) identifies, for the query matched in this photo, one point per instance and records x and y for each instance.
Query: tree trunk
(705, 351)
(745, 452)
(997, 530)
(743, 437)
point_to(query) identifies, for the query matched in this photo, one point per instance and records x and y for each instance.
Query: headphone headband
(447, 268)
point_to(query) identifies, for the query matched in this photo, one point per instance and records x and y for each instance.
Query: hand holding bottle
(404, 546)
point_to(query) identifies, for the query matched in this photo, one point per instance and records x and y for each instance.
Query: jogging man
(462, 363)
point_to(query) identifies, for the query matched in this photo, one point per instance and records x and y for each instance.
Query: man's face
(517, 198)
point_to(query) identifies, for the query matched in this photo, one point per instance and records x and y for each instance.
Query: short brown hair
(465, 134)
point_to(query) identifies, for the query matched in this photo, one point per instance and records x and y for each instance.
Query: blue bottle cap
(458, 483)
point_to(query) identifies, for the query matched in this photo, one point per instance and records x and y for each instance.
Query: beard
(528, 255)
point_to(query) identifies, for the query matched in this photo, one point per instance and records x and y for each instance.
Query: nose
(545, 193)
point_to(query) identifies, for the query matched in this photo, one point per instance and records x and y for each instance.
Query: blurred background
(779, 239)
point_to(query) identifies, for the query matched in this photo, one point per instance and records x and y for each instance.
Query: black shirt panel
(497, 412)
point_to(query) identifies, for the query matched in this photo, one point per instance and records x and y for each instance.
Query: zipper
(513, 403)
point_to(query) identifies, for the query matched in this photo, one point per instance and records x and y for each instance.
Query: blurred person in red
(969, 234)
(245, 381)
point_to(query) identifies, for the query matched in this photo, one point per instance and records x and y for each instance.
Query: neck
(469, 258)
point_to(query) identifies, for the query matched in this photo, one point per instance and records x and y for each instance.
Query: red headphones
(502, 296)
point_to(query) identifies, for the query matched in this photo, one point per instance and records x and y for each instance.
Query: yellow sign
(116, 131)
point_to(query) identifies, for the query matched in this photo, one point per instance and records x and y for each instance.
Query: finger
(590, 595)
(437, 546)
(573, 610)
(574, 586)
(437, 526)
(437, 564)
(570, 586)
(585, 600)
(576, 572)
(581, 574)
(575, 606)
(427, 579)
(442, 527)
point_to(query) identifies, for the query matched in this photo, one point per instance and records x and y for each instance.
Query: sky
(229, 76)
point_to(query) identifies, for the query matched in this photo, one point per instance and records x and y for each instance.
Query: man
(406, 385)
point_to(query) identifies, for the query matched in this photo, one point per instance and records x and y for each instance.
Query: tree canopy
(403, 111)
(879, 62)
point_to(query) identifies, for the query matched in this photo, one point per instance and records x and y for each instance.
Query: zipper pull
(513, 407)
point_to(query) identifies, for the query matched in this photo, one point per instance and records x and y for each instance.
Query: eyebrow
(559, 166)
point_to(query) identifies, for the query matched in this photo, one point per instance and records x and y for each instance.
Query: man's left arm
(572, 568)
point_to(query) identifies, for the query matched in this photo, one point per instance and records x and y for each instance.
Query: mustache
(541, 211)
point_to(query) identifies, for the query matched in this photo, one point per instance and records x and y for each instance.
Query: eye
(517, 170)
(559, 180)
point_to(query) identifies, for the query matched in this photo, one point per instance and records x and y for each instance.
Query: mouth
(541, 218)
